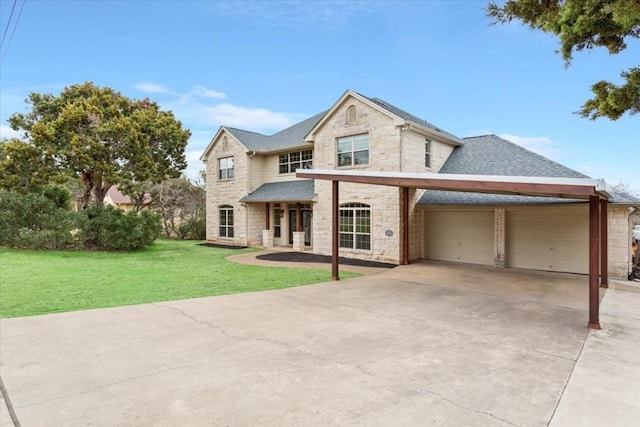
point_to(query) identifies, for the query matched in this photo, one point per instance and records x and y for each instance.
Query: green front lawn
(39, 282)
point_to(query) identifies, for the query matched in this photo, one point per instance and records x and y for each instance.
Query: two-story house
(255, 198)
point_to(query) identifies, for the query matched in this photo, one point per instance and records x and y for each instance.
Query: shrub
(32, 220)
(108, 228)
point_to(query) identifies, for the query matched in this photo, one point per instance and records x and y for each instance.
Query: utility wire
(8, 23)
(15, 27)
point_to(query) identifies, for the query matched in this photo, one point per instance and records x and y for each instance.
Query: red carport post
(604, 242)
(594, 262)
(405, 225)
(335, 220)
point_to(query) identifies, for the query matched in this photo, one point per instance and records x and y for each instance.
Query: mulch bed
(214, 245)
(326, 259)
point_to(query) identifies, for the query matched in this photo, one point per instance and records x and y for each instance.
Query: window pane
(344, 145)
(294, 157)
(363, 241)
(361, 158)
(307, 164)
(222, 232)
(284, 169)
(283, 158)
(361, 142)
(346, 241)
(307, 155)
(229, 173)
(344, 159)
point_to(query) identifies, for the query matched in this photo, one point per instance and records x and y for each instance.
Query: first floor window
(225, 168)
(226, 221)
(277, 221)
(355, 226)
(353, 150)
(427, 153)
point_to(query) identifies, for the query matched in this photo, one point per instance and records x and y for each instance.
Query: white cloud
(7, 132)
(542, 145)
(204, 92)
(249, 118)
(151, 88)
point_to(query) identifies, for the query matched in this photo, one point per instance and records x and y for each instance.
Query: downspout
(403, 129)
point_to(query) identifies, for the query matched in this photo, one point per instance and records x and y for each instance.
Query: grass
(40, 282)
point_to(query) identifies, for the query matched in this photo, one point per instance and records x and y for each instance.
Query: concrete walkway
(424, 344)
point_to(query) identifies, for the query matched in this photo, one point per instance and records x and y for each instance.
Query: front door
(306, 225)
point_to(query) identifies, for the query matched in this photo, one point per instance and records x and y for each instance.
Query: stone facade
(227, 191)
(620, 227)
(394, 145)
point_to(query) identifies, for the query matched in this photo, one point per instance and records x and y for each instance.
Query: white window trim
(428, 153)
(226, 209)
(226, 176)
(352, 152)
(354, 207)
(306, 162)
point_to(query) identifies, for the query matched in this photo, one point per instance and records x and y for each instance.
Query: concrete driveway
(424, 344)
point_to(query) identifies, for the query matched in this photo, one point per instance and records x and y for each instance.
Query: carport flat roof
(574, 188)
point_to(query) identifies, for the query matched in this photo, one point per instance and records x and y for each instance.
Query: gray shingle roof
(492, 155)
(288, 138)
(409, 117)
(289, 191)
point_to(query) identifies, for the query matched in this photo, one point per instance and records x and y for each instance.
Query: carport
(570, 188)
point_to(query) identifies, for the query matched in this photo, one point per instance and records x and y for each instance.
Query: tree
(585, 24)
(181, 204)
(103, 137)
(23, 168)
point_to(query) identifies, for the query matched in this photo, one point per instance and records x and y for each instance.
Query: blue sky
(263, 66)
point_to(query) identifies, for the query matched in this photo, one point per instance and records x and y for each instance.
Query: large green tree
(103, 138)
(586, 24)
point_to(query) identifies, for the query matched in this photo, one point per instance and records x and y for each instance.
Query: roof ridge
(244, 130)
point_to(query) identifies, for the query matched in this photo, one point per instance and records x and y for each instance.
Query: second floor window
(427, 153)
(225, 168)
(353, 150)
(289, 162)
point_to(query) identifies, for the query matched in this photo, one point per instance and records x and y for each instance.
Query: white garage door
(459, 236)
(554, 238)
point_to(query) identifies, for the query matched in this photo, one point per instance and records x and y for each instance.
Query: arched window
(355, 226)
(226, 221)
(352, 115)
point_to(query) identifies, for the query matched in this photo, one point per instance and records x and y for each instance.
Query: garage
(551, 238)
(459, 236)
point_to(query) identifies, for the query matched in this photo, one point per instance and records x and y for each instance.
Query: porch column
(499, 238)
(298, 217)
(594, 262)
(405, 226)
(267, 209)
(335, 236)
(267, 233)
(604, 243)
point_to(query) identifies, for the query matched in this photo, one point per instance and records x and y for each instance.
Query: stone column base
(298, 241)
(267, 238)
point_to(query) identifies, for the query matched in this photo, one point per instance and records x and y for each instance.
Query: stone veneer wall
(619, 241)
(227, 192)
(385, 216)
